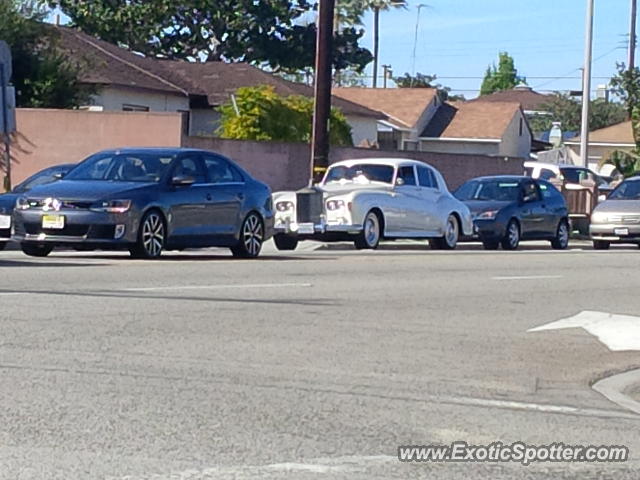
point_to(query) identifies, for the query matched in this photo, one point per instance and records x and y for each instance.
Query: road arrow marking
(616, 332)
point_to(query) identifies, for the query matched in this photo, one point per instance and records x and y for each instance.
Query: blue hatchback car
(508, 209)
(146, 200)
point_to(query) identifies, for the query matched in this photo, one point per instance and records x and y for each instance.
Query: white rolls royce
(367, 200)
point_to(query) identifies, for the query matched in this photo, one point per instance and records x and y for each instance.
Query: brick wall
(285, 166)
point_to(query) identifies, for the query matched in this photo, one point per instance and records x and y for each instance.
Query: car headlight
(284, 206)
(112, 206)
(335, 204)
(22, 203)
(488, 215)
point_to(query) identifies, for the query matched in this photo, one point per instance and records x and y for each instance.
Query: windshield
(41, 178)
(362, 173)
(122, 167)
(489, 190)
(629, 190)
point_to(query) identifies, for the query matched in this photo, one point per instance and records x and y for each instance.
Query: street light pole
(322, 91)
(586, 85)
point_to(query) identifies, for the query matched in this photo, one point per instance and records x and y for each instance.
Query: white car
(366, 200)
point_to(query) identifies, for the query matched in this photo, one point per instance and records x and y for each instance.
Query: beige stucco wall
(114, 98)
(513, 144)
(596, 152)
(50, 137)
(363, 129)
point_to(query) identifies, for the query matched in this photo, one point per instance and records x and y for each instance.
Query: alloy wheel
(153, 235)
(372, 230)
(512, 238)
(252, 235)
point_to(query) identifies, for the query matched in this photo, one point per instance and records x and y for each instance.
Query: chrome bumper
(615, 232)
(294, 228)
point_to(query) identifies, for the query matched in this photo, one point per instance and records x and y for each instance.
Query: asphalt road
(314, 364)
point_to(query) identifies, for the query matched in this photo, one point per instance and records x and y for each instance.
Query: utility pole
(322, 91)
(632, 35)
(376, 43)
(385, 76)
(586, 85)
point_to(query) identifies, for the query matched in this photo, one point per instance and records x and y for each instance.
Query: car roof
(505, 178)
(390, 161)
(165, 150)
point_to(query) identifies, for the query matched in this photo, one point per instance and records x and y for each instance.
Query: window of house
(128, 107)
(521, 126)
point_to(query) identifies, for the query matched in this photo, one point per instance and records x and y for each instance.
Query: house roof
(620, 133)
(472, 120)
(216, 81)
(522, 94)
(403, 106)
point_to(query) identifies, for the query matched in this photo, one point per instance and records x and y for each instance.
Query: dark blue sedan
(508, 209)
(147, 200)
(8, 200)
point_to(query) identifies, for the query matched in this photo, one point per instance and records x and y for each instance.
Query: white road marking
(614, 387)
(218, 287)
(616, 332)
(529, 277)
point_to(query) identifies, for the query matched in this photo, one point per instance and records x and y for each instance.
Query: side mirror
(58, 176)
(399, 182)
(602, 197)
(182, 180)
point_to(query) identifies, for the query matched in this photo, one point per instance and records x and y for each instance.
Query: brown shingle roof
(525, 96)
(403, 105)
(615, 134)
(216, 81)
(481, 120)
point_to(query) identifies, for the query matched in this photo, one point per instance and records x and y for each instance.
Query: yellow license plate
(53, 222)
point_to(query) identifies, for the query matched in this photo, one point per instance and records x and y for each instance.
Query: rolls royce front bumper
(312, 229)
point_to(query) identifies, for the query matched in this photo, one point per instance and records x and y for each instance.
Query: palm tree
(351, 12)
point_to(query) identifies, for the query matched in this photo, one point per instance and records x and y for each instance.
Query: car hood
(337, 188)
(619, 206)
(91, 190)
(479, 206)
(7, 202)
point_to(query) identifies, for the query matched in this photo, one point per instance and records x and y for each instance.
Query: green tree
(503, 77)
(42, 75)
(626, 84)
(562, 108)
(265, 32)
(259, 113)
(420, 80)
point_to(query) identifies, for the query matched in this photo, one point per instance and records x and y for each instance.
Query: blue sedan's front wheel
(151, 237)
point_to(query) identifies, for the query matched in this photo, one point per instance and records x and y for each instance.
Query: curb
(614, 387)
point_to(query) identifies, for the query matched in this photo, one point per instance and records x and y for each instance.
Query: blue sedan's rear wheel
(251, 237)
(151, 237)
